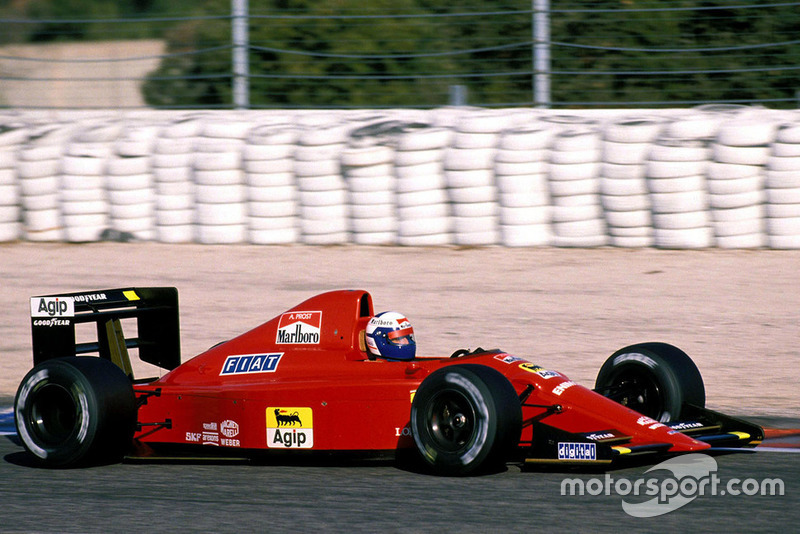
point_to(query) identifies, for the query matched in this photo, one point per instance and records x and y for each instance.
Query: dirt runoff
(735, 312)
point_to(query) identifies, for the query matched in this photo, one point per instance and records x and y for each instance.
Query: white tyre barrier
(458, 159)
(220, 194)
(474, 209)
(526, 235)
(623, 187)
(175, 188)
(218, 161)
(677, 185)
(525, 216)
(634, 130)
(323, 198)
(272, 223)
(227, 234)
(695, 125)
(731, 171)
(679, 149)
(532, 137)
(625, 153)
(368, 184)
(279, 236)
(414, 142)
(421, 182)
(221, 214)
(469, 179)
(785, 150)
(789, 163)
(740, 155)
(493, 175)
(175, 218)
(285, 208)
(505, 155)
(272, 179)
(417, 157)
(511, 184)
(747, 131)
(693, 238)
(630, 219)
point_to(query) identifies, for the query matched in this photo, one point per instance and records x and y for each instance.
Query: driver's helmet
(391, 336)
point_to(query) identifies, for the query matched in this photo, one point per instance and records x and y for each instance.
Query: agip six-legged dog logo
(290, 428)
(287, 420)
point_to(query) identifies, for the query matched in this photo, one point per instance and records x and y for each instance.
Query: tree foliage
(376, 53)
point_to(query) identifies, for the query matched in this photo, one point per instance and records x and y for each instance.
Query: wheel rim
(638, 391)
(451, 420)
(53, 414)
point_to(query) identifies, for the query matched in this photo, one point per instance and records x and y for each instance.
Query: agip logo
(300, 327)
(52, 307)
(290, 428)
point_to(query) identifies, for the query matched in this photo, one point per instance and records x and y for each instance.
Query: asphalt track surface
(235, 497)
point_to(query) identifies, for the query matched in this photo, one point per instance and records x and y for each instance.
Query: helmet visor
(404, 336)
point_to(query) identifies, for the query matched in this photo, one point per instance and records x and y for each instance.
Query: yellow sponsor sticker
(290, 428)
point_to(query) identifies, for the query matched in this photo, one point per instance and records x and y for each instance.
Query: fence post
(241, 68)
(541, 53)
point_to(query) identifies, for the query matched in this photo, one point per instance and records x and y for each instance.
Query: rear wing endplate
(53, 320)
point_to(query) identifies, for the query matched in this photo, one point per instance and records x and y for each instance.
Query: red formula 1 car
(302, 385)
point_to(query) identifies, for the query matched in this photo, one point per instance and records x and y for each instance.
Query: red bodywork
(303, 381)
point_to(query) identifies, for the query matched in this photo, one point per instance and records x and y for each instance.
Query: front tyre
(466, 418)
(75, 411)
(654, 379)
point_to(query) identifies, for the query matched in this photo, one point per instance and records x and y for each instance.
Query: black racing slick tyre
(76, 411)
(466, 419)
(654, 379)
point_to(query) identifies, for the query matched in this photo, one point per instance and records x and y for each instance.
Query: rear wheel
(75, 411)
(654, 379)
(466, 418)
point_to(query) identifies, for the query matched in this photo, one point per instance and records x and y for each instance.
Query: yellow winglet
(130, 295)
(742, 435)
(621, 450)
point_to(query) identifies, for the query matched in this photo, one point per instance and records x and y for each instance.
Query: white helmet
(391, 336)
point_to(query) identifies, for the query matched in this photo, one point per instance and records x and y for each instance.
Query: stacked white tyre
(574, 183)
(623, 189)
(12, 136)
(321, 186)
(469, 174)
(675, 174)
(520, 168)
(220, 190)
(695, 124)
(783, 189)
(423, 210)
(367, 164)
(38, 168)
(736, 180)
(83, 200)
(130, 187)
(172, 164)
(272, 198)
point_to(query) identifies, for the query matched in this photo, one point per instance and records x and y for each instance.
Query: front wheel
(466, 418)
(654, 379)
(75, 411)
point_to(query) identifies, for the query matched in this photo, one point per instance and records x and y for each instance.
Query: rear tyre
(466, 419)
(654, 379)
(76, 411)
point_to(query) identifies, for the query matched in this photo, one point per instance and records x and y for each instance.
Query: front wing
(552, 446)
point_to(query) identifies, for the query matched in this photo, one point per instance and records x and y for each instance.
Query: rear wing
(155, 309)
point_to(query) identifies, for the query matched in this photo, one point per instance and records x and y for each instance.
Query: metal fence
(588, 53)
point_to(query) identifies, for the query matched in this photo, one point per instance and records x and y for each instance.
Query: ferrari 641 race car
(302, 386)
